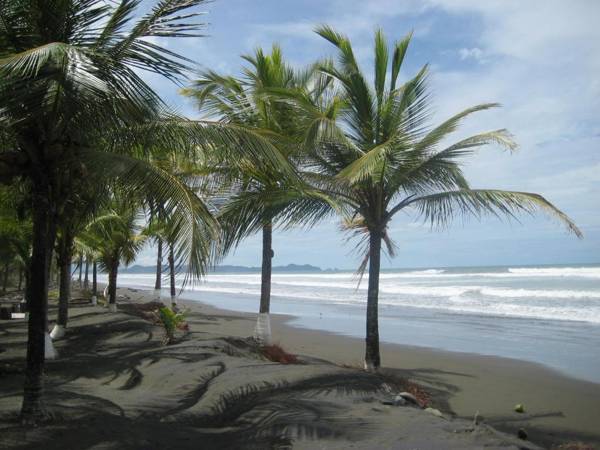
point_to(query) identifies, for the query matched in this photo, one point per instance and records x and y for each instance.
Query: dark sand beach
(115, 386)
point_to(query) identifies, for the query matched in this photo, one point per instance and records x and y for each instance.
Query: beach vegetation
(73, 106)
(171, 321)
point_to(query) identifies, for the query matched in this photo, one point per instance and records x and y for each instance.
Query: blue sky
(540, 59)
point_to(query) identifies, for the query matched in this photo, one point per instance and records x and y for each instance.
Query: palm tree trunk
(65, 256)
(80, 264)
(267, 257)
(171, 259)
(372, 357)
(44, 234)
(94, 281)
(159, 256)
(262, 331)
(57, 271)
(86, 278)
(112, 285)
(5, 277)
(20, 285)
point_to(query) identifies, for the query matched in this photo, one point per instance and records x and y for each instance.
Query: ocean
(548, 315)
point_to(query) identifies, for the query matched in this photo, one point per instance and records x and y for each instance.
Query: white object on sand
(105, 293)
(262, 330)
(94, 300)
(173, 300)
(18, 315)
(50, 351)
(112, 307)
(57, 332)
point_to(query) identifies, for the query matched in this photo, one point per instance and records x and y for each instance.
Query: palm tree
(374, 150)
(156, 233)
(260, 198)
(119, 239)
(90, 244)
(159, 231)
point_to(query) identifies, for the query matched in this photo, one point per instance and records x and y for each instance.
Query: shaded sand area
(116, 386)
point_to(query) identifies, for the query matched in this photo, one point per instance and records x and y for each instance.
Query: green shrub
(170, 321)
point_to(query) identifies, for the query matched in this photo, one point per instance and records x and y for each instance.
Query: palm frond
(398, 58)
(195, 230)
(438, 209)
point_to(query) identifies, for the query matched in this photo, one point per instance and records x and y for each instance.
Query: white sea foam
(584, 272)
(542, 293)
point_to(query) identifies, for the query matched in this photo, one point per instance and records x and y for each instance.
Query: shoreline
(509, 315)
(557, 405)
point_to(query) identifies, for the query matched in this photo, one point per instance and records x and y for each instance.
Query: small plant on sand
(170, 321)
(277, 354)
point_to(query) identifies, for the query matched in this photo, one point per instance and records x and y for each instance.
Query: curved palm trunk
(94, 283)
(65, 256)
(372, 357)
(159, 257)
(262, 331)
(112, 286)
(171, 259)
(44, 234)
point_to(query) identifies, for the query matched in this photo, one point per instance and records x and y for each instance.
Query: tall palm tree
(90, 244)
(374, 150)
(158, 230)
(261, 197)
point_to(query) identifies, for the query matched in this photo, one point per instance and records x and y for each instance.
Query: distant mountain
(235, 269)
(288, 268)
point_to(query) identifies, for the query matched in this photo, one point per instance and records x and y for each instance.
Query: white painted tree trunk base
(173, 301)
(112, 307)
(157, 294)
(94, 300)
(49, 349)
(262, 330)
(57, 332)
(105, 293)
